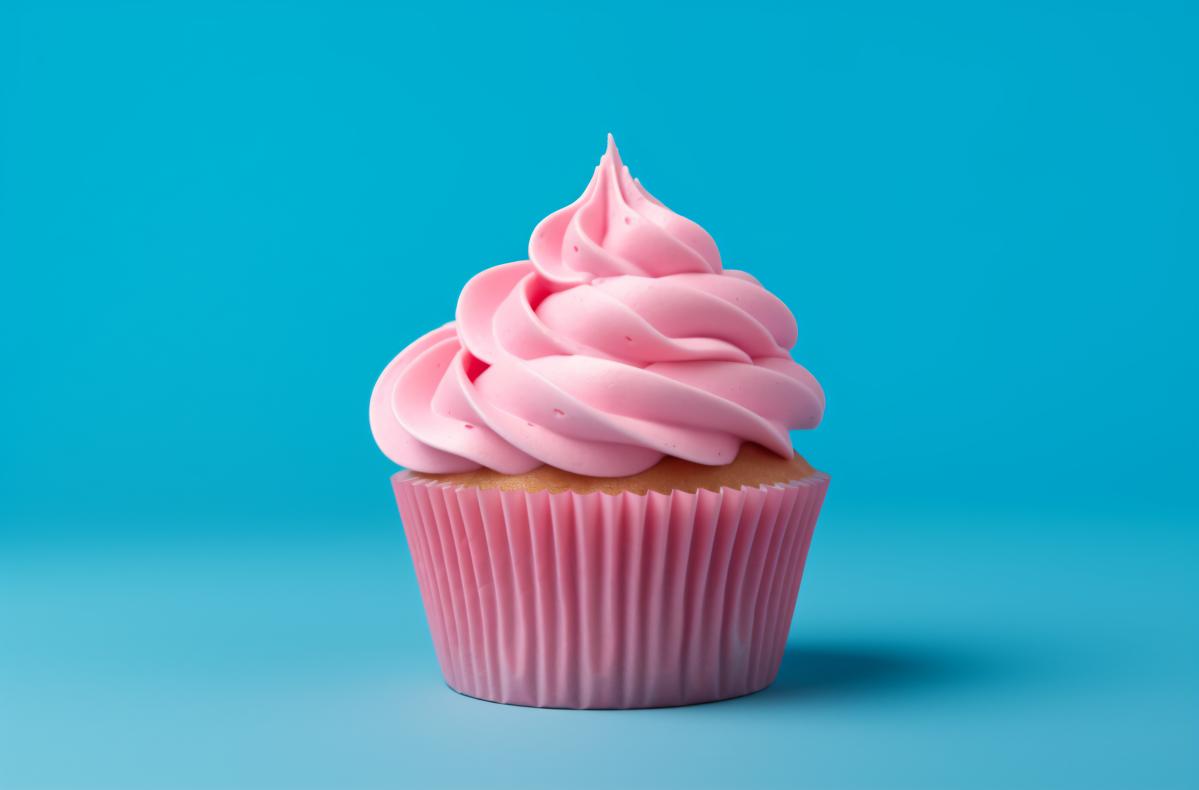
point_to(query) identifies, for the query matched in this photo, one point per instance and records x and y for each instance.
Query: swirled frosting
(622, 340)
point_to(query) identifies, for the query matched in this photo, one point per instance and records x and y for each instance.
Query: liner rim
(407, 476)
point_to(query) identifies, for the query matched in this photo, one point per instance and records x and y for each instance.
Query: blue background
(218, 221)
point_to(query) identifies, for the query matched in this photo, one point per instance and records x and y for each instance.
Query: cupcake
(601, 498)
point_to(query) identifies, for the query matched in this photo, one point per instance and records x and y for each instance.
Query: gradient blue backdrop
(218, 221)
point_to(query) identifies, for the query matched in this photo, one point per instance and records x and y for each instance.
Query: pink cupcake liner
(609, 601)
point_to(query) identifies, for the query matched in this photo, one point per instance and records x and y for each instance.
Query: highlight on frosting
(620, 341)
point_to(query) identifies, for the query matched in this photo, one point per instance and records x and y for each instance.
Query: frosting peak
(616, 227)
(621, 342)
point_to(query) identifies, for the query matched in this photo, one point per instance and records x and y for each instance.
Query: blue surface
(998, 653)
(219, 220)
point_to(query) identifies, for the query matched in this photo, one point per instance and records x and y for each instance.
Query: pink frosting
(622, 340)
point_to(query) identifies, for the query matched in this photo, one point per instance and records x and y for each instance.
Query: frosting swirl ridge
(621, 341)
(617, 227)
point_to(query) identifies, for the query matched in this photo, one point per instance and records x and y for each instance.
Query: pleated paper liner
(609, 601)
